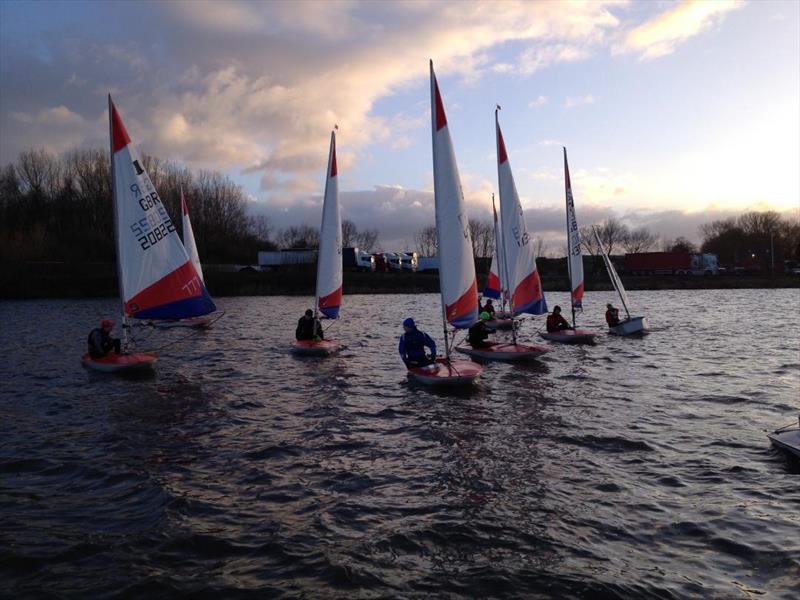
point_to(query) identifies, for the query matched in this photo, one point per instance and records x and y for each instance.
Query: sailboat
(328, 295)
(631, 325)
(457, 282)
(519, 264)
(575, 270)
(495, 287)
(156, 277)
(191, 249)
(787, 438)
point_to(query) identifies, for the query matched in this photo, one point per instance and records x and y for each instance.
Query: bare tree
(539, 247)
(612, 234)
(261, 227)
(681, 244)
(349, 233)
(639, 240)
(427, 241)
(367, 239)
(299, 236)
(482, 234)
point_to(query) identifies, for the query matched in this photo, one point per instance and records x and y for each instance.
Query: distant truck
(427, 264)
(381, 263)
(410, 261)
(358, 260)
(671, 263)
(394, 260)
(268, 260)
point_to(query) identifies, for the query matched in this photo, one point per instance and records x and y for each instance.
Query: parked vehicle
(357, 260)
(381, 264)
(427, 264)
(395, 261)
(410, 261)
(671, 263)
(282, 258)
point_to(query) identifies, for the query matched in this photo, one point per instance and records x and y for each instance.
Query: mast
(503, 261)
(497, 253)
(612, 273)
(116, 220)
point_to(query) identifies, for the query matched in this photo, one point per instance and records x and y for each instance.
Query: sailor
(489, 308)
(612, 315)
(555, 322)
(309, 327)
(101, 342)
(477, 334)
(412, 346)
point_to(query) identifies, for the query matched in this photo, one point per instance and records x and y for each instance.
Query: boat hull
(120, 363)
(193, 323)
(314, 347)
(504, 352)
(447, 373)
(496, 324)
(787, 440)
(632, 326)
(570, 336)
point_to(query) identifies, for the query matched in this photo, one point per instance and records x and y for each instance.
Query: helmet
(556, 308)
(106, 323)
(484, 316)
(409, 322)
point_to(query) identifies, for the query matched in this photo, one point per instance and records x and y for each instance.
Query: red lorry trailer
(659, 263)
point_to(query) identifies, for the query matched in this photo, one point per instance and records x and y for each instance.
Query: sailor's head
(107, 324)
(489, 302)
(556, 309)
(309, 313)
(409, 324)
(484, 316)
(610, 306)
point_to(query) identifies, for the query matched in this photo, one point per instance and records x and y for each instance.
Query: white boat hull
(570, 336)
(632, 326)
(504, 352)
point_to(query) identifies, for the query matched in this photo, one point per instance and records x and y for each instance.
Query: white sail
(494, 280)
(612, 273)
(459, 287)
(575, 257)
(188, 238)
(524, 284)
(329, 261)
(156, 277)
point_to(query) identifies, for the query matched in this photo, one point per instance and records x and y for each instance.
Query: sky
(673, 113)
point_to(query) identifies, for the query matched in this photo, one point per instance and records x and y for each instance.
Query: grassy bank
(72, 280)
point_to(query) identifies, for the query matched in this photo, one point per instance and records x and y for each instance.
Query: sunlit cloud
(660, 35)
(537, 102)
(573, 101)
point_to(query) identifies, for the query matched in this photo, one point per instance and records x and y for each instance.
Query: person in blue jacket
(412, 346)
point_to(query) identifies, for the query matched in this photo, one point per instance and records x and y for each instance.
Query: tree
(681, 244)
(261, 227)
(353, 237)
(482, 234)
(427, 241)
(639, 240)
(299, 236)
(612, 234)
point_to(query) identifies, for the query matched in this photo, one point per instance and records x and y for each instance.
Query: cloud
(573, 101)
(537, 102)
(660, 35)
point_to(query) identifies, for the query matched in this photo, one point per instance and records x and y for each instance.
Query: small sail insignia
(523, 280)
(329, 261)
(157, 278)
(457, 281)
(575, 264)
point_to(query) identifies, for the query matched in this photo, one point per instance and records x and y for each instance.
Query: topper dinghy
(191, 249)
(518, 260)
(787, 438)
(457, 282)
(157, 279)
(631, 325)
(328, 296)
(575, 270)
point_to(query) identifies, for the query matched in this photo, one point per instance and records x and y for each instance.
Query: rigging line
(188, 335)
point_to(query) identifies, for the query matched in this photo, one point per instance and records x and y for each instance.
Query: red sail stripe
(501, 147)
(334, 170)
(441, 119)
(119, 134)
(577, 293)
(182, 283)
(467, 303)
(332, 299)
(529, 290)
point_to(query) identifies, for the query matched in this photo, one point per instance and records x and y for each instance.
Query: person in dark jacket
(478, 333)
(101, 342)
(309, 328)
(412, 346)
(555, 322)
(612, 315)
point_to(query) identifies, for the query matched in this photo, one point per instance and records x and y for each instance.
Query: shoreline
(30, 281)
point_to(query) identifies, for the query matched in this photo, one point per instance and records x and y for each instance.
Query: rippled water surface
(634, 468)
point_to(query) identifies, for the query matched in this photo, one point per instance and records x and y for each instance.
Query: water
(635, 468)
